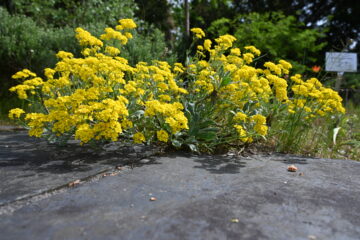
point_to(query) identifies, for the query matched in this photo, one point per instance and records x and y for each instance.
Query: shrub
(61, 13)
(217, 100)
(277, 35)
(23, 44)
(26, 44)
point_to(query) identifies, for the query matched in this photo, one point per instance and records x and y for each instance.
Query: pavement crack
(11, 206)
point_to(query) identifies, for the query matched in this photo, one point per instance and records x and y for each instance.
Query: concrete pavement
(173, 196)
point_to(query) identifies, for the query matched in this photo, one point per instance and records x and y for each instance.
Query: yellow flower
(248, 57)
(85, 38)
(207, 44)
(258, 119)
(36, 122)
(240, 116)
(162, 135)
(112, 51)
(261, 129)
(253, 49)
(139, 137)
(242, 133)
(165, 98)
(225, 41)
(273, 67)
(128, 35)
(126, 124)
(21, 90)
(23, 74)
(199, 33)
(64, 55)
(127, 23)
(178, 67)
(15, 113)
(49, 73)
(84, 133)
(235, 51)
(285, 64)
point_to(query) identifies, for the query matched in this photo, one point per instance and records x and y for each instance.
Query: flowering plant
(216, 99)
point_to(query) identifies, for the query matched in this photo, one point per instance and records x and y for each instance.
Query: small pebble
(144, 161)
(74, 183)
(153, 199)
(292, 168)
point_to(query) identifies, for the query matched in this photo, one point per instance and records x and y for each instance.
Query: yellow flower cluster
(15, 113)
(29, 86)
(139, 137)
(241, 88)
(260, 124)
(199, 33)
(162, 135)
(312, 97)
(95, 97)
(172, 113)
(100, 97)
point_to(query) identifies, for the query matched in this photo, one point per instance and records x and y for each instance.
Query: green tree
(276, 35)
(340, 17)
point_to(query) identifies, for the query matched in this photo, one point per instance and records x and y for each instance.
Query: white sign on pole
(341, 62)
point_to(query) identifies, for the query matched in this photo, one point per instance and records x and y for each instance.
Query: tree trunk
(187, 18)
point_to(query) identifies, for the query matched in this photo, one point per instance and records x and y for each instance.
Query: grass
(337, 137)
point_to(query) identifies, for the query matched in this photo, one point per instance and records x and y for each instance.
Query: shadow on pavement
(289, 159)
(29, 166)
(217, 164)
(220, 164)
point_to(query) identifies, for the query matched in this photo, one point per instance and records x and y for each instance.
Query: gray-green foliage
(276, 35)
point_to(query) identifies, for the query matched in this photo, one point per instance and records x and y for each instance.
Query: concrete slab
(182, 196)
(30, 166)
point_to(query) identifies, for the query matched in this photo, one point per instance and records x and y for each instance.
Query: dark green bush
(74, 13)
(276, 35)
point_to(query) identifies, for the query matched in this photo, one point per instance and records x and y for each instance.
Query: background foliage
(300, 31)
(32, 32)
(277, 35)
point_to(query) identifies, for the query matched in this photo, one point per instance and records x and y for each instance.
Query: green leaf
(176, 143)
(226, 80)
(191, 139)
(336, 131)
(193, 148)
(139, 113)
(207, 136)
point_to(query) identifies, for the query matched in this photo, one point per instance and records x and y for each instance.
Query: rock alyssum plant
(217, 99)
